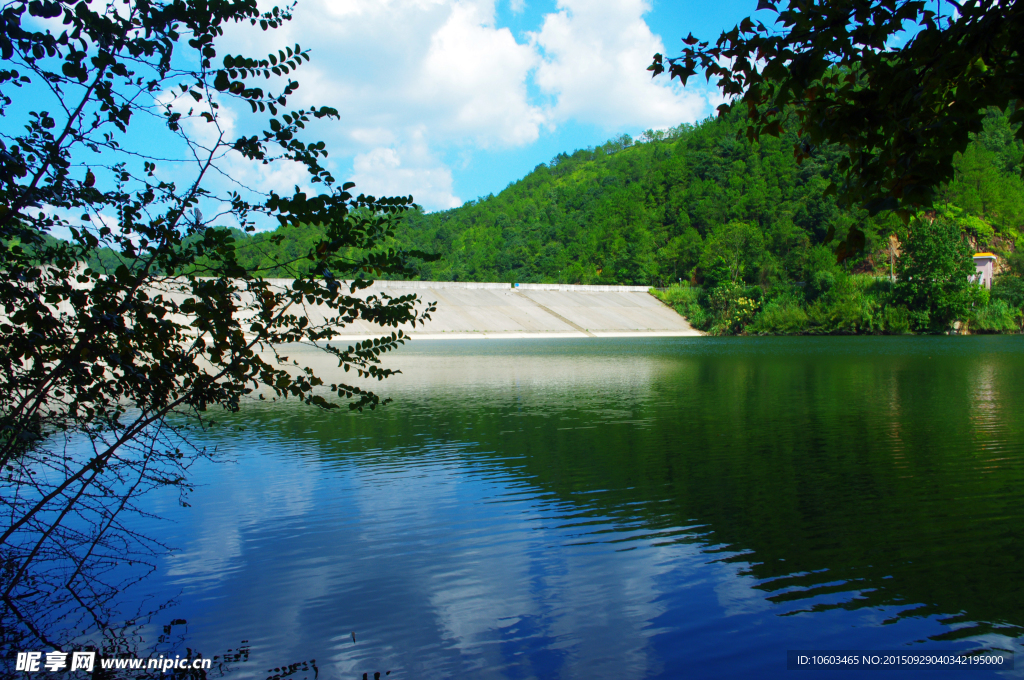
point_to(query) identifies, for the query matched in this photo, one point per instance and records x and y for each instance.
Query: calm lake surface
(619, 508)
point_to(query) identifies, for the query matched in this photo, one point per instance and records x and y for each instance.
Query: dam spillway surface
(500, 310)
(495, 310)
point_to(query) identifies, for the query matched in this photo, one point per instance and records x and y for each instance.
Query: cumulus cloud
(595, 57)
(394, 67)
(385, 171)
(414, 80)
(480, 72)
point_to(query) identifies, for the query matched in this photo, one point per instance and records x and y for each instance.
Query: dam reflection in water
(620, 509)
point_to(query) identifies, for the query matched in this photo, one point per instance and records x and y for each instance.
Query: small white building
(984, 264)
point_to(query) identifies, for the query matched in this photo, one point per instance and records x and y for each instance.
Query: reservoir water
(618, 508)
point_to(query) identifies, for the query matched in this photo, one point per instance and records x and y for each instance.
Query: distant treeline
(662, 209)
(741, 230)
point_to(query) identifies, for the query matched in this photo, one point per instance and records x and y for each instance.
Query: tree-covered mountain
(744, 233)
(638, 213)
(665, 208)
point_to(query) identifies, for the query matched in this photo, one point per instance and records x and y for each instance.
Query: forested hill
(742, 232)
(679, 204)
(633, 213)
(668, 206)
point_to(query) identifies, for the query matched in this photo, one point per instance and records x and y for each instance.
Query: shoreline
(519, 335)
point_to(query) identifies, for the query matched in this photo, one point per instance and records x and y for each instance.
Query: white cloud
(595, 57)
(479, 75)
(393, 67)
(415, 79)
(383, 172)
(373, 136)
(410, 78)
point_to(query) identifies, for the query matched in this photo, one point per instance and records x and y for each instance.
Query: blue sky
(450, 100)
(446, 100)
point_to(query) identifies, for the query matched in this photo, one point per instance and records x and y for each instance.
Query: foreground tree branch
(104, 369)
(901, 87)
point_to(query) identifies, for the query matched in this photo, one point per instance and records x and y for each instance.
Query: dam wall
(498, 310)
(506, 310)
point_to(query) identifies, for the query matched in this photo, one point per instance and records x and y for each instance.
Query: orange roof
(984, 255)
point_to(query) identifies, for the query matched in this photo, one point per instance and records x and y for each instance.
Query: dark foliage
(117, 341)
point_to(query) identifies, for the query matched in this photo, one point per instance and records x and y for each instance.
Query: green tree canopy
(934, 273)
(898, 85)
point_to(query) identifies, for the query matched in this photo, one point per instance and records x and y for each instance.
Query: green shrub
(896, 319)
(684, 299)
(845, 306)
(846, 314)
(996, 317)
(820, 271)
(820, 283)
(933, 273)
(698, 318)
(784, 316)
(677, 294)
(1009, 289)
(1015, 261)
(878, 287)
(841, 303)
(730, 307)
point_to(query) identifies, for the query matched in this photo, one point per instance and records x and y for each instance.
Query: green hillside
(662, 209)
(640, 214)
(740, 234)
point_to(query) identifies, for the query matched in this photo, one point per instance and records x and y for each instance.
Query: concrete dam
(531, 310)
